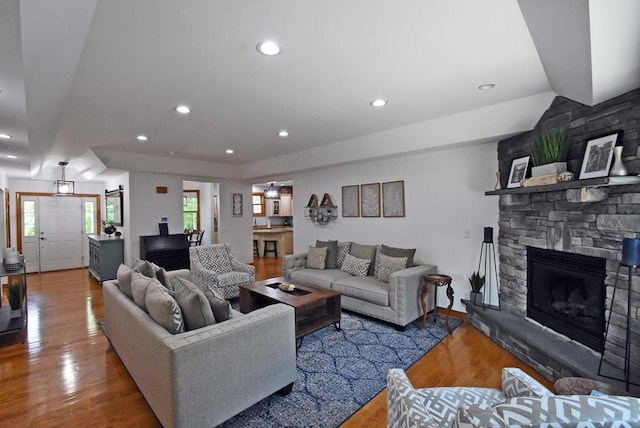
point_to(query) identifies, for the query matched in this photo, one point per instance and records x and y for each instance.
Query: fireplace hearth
(566, 293)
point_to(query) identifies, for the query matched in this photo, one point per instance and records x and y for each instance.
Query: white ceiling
(80, 79)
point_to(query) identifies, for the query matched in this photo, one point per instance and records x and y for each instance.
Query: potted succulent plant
(16, 296)
(549, 154)
(477, 282)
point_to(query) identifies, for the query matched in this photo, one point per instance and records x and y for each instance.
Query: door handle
(43, 239)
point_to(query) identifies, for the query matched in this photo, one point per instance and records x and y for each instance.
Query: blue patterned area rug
(340, 371)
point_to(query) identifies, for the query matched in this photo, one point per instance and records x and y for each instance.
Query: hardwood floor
(65, 373)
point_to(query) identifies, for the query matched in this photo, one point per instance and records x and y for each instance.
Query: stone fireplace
(565, 292)
(566, 223)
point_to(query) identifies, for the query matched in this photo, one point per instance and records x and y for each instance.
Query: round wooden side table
(437, 280)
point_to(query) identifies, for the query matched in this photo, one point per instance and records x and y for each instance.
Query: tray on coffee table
(314, 307)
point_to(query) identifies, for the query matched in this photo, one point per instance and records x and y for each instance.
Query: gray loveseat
(397, 302)
(205, 376)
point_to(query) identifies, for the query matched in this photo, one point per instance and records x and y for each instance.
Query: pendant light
(272, 192)
(63, 187)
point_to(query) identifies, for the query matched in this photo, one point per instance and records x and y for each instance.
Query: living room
(446, 157)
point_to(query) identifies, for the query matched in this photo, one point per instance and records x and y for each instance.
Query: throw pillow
(343, 250)
(364, 252)
(389, 265)
(399, 252)
(355, 266)
(161, 274)
(332, 253)
(164, 309)
(139, 285)
(219, 307)
(477, 415)
(124, 279)
(193, 303)
(145, 268)
(316, 258)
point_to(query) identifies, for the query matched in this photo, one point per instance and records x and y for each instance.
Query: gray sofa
(205, 376)
(397, 302)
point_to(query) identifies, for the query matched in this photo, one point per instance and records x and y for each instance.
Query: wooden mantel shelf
(575, 184)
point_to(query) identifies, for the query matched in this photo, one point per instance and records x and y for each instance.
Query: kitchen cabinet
(286, 205)
(288, 242)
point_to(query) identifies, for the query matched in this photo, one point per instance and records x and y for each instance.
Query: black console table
(168, 251)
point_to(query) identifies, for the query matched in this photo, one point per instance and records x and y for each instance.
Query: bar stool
(273, 249)
(256, 252)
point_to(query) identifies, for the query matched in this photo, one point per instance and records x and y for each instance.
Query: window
(29, 218)
(89, 217)
(258, 204)
(191, 209)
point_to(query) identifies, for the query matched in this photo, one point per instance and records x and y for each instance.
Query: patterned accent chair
(214, 267)
(523, 402)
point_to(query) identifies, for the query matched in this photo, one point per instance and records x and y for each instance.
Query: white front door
(60, 224)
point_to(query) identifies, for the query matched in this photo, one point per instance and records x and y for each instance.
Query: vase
(476, 298)
(110, 229)
(618, 168)
(498, 184)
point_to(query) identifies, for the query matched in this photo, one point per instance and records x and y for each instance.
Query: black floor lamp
(630, 260)
(490, 267)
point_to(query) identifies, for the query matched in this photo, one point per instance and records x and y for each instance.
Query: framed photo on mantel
(518, 171)
(598, 155)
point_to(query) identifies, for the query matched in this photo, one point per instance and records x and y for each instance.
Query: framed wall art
(351, 201)
(518, 171)
(236, 204)
(393, 199)
(598, 154)
(370, 200)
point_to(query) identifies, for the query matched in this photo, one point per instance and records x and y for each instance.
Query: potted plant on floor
(549, 154)
(16, 296)
(477, 282)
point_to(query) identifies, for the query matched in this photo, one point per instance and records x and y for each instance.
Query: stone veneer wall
(558, 220)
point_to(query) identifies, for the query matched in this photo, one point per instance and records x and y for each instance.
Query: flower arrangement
(286, 287)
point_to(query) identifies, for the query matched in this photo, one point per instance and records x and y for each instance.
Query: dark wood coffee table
(314, 307)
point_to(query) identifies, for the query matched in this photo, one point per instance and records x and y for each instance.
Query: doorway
(53, 229)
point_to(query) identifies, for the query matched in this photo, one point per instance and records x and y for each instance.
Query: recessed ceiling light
(183, 109)
(269, 48)
(283, 133)
(172, 153)
(5, 136)
(378, 103)
(12, 156)
(229, 151)
(142, 138)
(486, 86)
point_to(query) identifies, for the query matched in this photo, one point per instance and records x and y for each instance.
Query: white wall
(236, 230)
(146, 209)
(444, 195)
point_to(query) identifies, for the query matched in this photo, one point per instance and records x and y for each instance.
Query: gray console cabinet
(105, 255)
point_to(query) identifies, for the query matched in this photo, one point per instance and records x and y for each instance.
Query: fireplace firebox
(566, 292)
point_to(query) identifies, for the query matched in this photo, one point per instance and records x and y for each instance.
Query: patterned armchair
(523, 402)
(214, 267)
